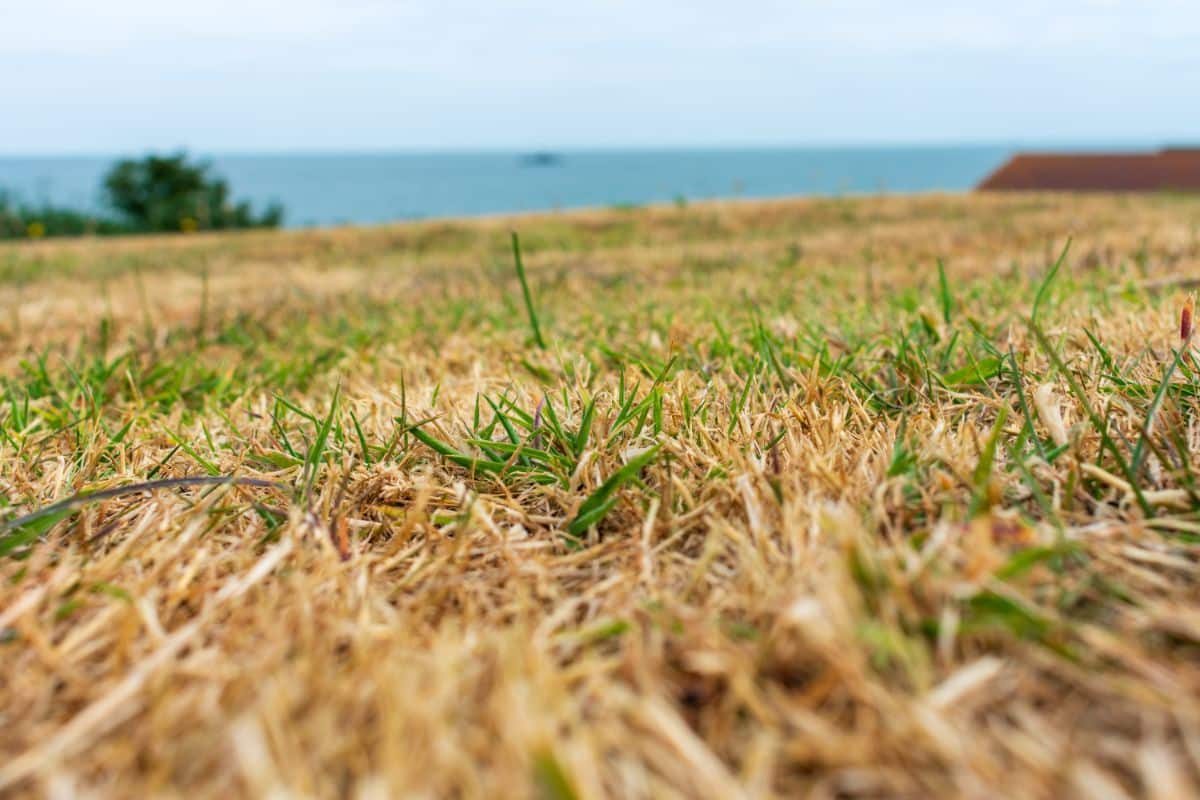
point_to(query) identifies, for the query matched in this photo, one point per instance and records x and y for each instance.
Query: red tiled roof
(1173, 169)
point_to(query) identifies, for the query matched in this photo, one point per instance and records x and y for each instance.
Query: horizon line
(1052, 143)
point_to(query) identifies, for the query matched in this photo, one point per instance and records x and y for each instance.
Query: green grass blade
(550, 779)
(209, 467)
(1139, 449)
(980, 372)
(317, 452)
(455, 456)
(593, 509)
(944, 293)
(1045, 287)
(31, 531)
(533, 317)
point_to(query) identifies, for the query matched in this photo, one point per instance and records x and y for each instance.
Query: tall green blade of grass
(312, 462)
(944, 290)
(1139, 449)
(1018, 384)
(1045, 287)
(362, 439)
(533, 317)
(585, 428)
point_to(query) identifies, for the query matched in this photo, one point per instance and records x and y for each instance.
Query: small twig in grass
(84, 498)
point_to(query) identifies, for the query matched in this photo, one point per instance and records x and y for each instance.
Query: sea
(319, 189)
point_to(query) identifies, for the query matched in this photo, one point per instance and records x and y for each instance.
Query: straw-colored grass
(780, 509)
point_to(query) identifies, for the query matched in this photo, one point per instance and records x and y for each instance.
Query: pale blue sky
(265, 75)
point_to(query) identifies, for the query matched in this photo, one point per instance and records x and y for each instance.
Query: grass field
(734, 500)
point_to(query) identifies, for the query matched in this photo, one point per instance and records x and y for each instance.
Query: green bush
(23, 221)
(147, 195)
(167, 193)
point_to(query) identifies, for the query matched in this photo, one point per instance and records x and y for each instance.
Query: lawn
(837, 498)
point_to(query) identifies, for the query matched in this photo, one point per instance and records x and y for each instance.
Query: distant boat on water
(541, 159)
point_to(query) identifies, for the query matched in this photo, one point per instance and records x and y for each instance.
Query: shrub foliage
(153, 194)
(167, 193)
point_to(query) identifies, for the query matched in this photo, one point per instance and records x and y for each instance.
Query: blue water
(318, 189)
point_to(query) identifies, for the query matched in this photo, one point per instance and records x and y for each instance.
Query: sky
(286, 75)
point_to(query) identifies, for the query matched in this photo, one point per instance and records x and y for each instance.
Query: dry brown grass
(820, 586)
